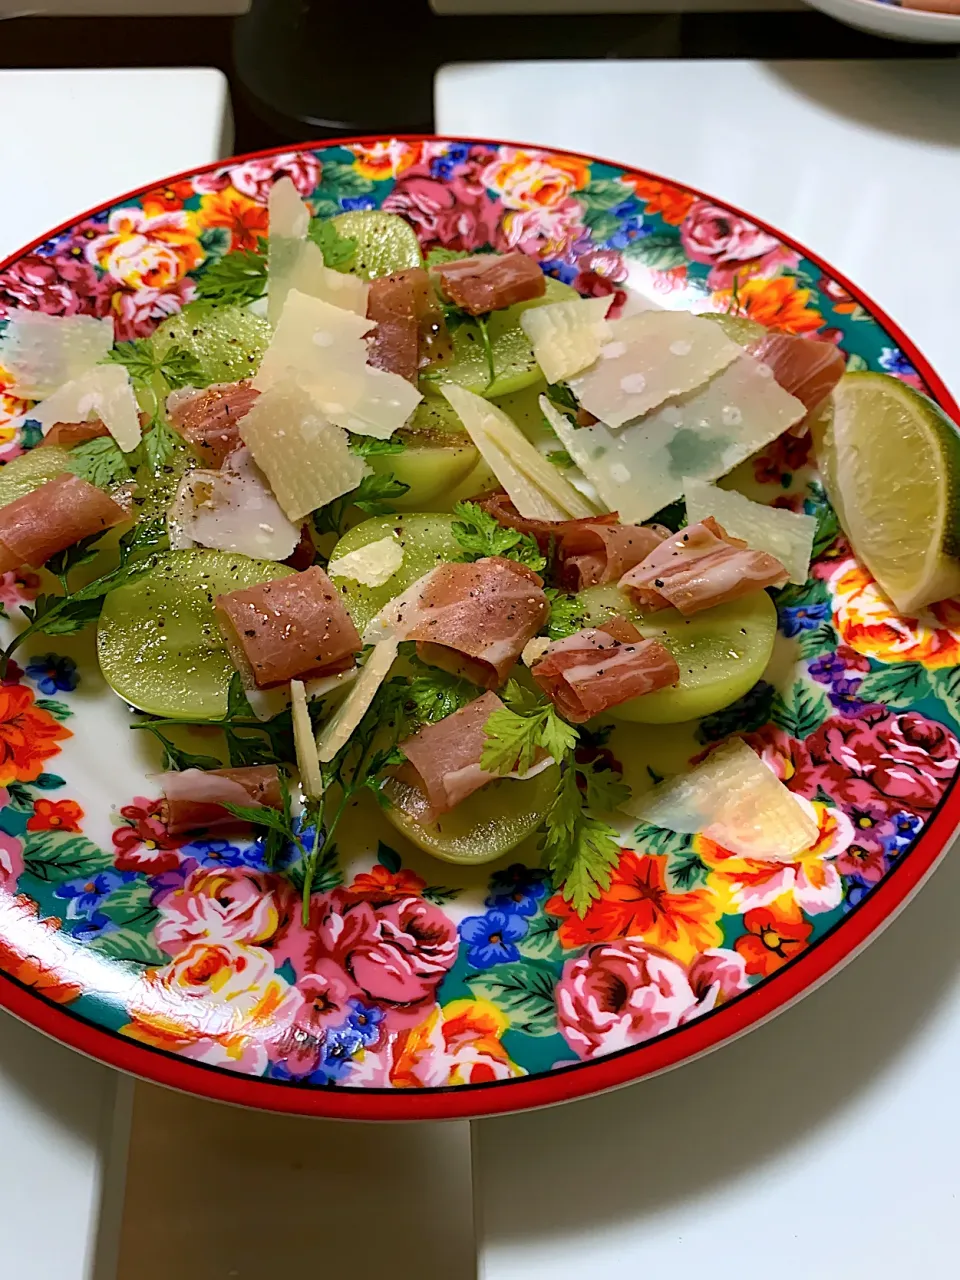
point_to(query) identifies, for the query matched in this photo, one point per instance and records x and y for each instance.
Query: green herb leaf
(580, 850)
(236, 279)
(100, 462)
(604, 788)
(176, 758)
(158, 444)
(436, 694)
(563, 400)
(370, 446)
(437, 257)
(566, 615)
(338, 251)
(376, 494)
(480, 535)
(512, 736)
(560, 459)
(143, 362)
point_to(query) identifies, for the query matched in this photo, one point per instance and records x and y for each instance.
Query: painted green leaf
(822, 639)
(129, 906)
(215, 242)
(542, 939)
(59, 710)
(946, 686)
(128, 944)
(896, 686)
(651, 839)
(523, 991)
(685, 871)
(658, 252)
(828, 528)
(388, 857)
(855, 363)
(324, 207)
(601, 224)
(61, 855)
(605, 193)
(344, 179)
(800, 711)
(748, 713)
(440, 894)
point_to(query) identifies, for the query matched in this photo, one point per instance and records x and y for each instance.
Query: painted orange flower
(775, 934)
(55, 815)
(385, 159)
(33, 952)
(380, 885)
(529, 180)
(28, 735)
(868, 622)
(458, 1044)
(146, 251)
(171, 196)
(638, 904)
(243, 218)
(672, 203)
(779, 303)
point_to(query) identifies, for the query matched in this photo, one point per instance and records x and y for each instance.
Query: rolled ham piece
(195, 798)
(289, 628)
(208, 419)
(470, 619)
(497, 503)
(50, 519)
(411, 331)
(69, 434)
(443, 759)
(699, 567)
(491, 281)
(806, 367)
(593, 670)
(592, 552)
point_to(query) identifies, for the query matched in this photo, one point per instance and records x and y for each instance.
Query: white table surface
(75, 139)
(823, 1145)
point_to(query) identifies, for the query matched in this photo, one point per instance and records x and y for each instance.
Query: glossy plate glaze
(420, 990)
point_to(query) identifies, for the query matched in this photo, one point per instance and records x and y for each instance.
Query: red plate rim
(758, 1005)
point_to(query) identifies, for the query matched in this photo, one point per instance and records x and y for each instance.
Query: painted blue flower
(905, 827)
(560, 270)
(215, 853)
(827, 668)
(490, 938)
(518, 889)
(357, 202)
(168, 882)
(94, 927)
(802, 617)
(339, 1047)
(857, 890)
(893, 360)
(53, 673)
(443, 167)
(255, 855)
(843, 695)
(365, 1019)
(86, 893)
(630, 229)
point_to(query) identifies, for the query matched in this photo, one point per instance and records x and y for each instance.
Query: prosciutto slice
(594, 670)
(443, 759)
(491, 281)
(593, 552)
(208, 419)
(471, 619)
(69, 434)
(806, 367)
(411, 331)
(195, 798)
(699, 567)
(497, 503)
(289, 628)
(53, 517)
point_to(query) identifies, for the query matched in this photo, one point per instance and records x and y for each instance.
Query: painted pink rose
(11, 856)
(599, 275)
(323, 1002)
(716, 976)
(729, 245)
(618, 994)
(59, 286)
(18, 587)
(551, 231)
(896, 761)
(256, 177)
(232, 904)
(454, 215)
(394, 953)
(137, 314)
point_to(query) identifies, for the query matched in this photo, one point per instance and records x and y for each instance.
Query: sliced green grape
(737, 328)
(426, 541)
(385, 243)
(514, 364)
(437, 457)
(721, 652)
(158, 641)
(483, 827)
(227, 342)
(31, 470)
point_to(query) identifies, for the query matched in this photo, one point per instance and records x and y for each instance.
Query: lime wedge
(890, 460)
(385, 243)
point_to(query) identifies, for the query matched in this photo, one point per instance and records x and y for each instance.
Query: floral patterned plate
(418, 989)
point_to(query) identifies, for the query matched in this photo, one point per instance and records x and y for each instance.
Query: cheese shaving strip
(39, 353)
(536, 488)
(567, 336)
(372, 565)
(294, 262)
(104, 392)
(337, 731)
(267, 703)
(321, 348)
(733, 799)
(641, 468)
(305, 745)
(787, 535)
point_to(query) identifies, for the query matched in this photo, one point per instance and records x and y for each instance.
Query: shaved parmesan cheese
(734, 800)
(567, 336)
(231, 510)
(536, 487)
(372, 565)
(39, 353)
(788, 535)
(103, 392)
(534, 650)
(336, 732)
(651, 358)
(321, 347)
(642, 467)
(305, 458)
(267, 703)
(305, 744)
(289, 217)
(294, 262)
